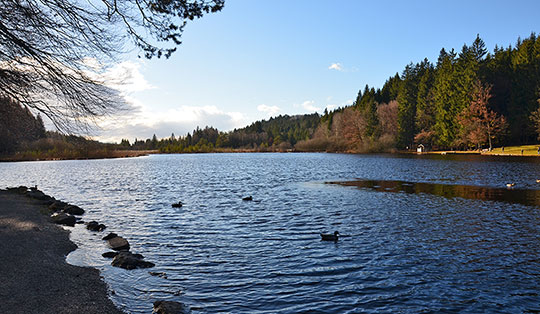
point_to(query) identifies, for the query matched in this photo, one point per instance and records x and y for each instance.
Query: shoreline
(134, 154)
(35, 275)
(18, 157)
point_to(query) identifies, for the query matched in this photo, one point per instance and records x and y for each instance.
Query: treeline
(23, 137)
(469, 98)
(55, 145)
(281, 133)
(17, 125)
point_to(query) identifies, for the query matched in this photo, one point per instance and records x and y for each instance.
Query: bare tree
(53, 52)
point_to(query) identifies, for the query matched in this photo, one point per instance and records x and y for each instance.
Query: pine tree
(407, 98)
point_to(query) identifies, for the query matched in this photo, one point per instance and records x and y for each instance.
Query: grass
(528, 150)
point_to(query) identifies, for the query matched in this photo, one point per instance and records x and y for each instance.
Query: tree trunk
(489, 139)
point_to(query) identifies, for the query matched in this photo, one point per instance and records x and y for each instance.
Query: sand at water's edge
(34, 275)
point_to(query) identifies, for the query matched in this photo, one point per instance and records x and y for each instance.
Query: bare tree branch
(44, 45)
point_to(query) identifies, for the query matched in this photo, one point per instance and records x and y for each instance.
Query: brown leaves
(478, 123)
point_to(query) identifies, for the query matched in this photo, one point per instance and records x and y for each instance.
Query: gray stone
(95, 226)
(38, 195)
(170, 307)
(158, 274)
(128, 260)
(57, 206)
(63, 219)
(109, 254)
(118, 244)
(109, 236)
(73, 210)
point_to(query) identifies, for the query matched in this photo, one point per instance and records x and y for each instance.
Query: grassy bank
(523, 150)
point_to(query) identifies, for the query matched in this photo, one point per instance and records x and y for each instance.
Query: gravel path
(34, 276)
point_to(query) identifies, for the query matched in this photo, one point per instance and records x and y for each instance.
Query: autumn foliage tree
(478, 123)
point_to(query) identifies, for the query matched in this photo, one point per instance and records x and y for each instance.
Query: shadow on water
(510, 195)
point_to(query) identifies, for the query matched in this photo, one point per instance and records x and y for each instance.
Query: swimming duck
(248, 198)
(177, 205)
(330, 237)
(509, 185)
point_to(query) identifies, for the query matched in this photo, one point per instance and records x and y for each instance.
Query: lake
(423, 234)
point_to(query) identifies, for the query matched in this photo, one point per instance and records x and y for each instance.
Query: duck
(330, 237)
(177, 205)
(248, 198)
(509, 185)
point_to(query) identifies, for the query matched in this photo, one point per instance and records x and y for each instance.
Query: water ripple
(459, 242)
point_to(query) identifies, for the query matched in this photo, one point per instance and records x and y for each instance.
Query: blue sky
(259, 58)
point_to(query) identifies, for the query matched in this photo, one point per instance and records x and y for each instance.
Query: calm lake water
(423, 234)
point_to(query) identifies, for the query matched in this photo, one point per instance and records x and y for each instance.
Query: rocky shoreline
(36, 277)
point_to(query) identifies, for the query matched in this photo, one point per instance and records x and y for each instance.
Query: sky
(260, 58)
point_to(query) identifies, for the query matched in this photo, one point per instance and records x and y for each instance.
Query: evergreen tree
(407, 97)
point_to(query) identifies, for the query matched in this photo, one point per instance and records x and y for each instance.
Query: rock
(118, 244)
(170, 307)
(38, 195)
(49, 202)
(57, 206)
(73, 210)
(156, 274)
(109, 254)
(63, 219)
(128, 260)
(177, 205)
(21, 189)
(109, 236)
(248, 198)
(95, 226)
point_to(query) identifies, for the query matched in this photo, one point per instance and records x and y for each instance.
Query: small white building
(420, 149)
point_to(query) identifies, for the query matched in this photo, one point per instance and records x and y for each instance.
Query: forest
(468, 99)
(471, 99)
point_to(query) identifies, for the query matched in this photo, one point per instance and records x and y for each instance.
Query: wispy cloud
(336, 66)
(308, 105)
(126, 77)
(143, 122)
(270, 110)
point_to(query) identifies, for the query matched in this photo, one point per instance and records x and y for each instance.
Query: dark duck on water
(330, 237)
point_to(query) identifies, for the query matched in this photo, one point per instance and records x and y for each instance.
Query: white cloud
(270, 110)
(126, 77)
(308, 105)
(331, 107)
(143, 122)
(336, 66)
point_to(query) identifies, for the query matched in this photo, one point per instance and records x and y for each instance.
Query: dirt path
(34, 276)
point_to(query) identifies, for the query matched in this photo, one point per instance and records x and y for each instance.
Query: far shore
(510, 151)
(24, 156)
